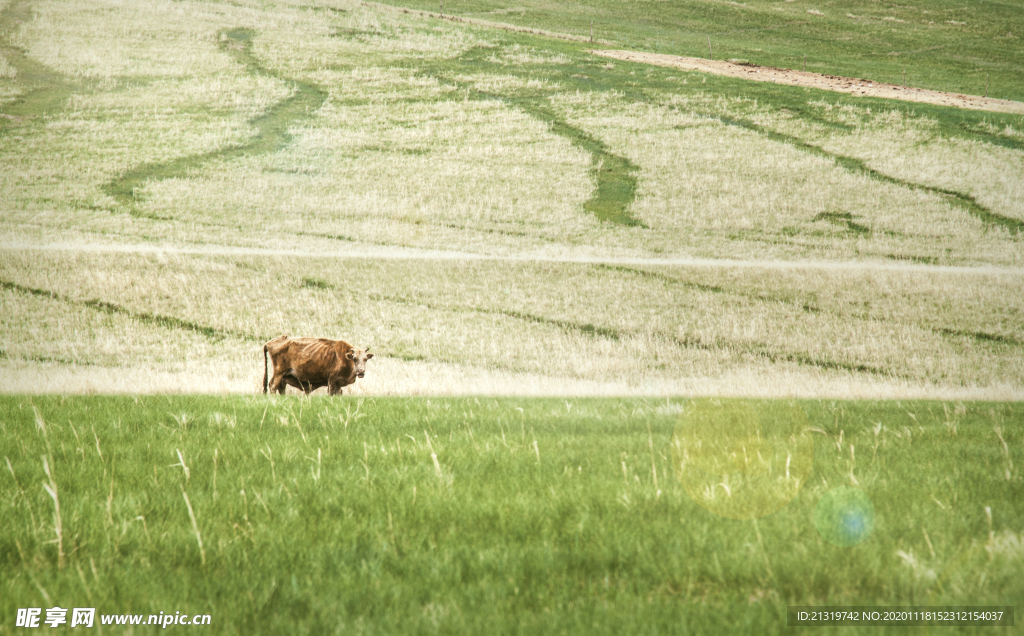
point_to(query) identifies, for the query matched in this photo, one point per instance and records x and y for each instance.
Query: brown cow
(310, 363)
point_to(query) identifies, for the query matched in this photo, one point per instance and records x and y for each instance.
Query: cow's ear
(369, 355)
(350, 356)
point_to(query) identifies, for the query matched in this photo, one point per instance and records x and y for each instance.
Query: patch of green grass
(486, 515)
(316, 283)
(615, 177)
(42, 91)
(942, 45)
(272, 129)
(844, 219)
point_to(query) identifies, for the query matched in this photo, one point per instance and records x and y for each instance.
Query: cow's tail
(265, 378)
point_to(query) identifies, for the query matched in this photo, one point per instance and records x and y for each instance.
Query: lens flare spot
(844, 516)
(742, 459)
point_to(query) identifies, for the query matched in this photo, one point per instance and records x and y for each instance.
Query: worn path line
(398, 254)
(852, 86)
(965, 202)
(272, 127)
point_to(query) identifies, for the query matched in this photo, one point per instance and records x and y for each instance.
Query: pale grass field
(503, 328)
(6, 70)
(9, 91)
(994, 176)
(392, 377)
(401, 157)
(413, 150)
(398, 176)
(740, 193)
(905, 147)
(109, 39)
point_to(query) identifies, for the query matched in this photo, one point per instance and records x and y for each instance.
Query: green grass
(614, 176)
(539, 516)
(272, 128)
(942, 45)
(317, 129)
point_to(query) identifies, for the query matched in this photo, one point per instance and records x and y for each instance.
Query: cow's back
(318, 357)
(313, 360)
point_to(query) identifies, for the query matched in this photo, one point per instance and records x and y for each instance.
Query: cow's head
(359, 358)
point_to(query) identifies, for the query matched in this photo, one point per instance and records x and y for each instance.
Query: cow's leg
(277, 385)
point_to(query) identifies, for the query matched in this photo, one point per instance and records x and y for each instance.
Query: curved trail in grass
(46, 90)
(615, 176)
(272, 127)
(963, 201)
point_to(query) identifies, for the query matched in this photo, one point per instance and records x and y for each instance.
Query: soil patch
(859, 87)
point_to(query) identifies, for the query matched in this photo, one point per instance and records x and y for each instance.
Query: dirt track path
(848, 85)
(403, 253)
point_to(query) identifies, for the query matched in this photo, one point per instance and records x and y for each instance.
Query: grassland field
(550, 254)
(108, 321)
(945, 46)
(485, 515)
(276, 142)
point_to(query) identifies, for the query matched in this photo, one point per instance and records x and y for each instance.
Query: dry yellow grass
(732, 192)
(911, 148)
(109, 39)
(993, 175)
(7, 72)
(517, 328)
(420, 174)
(406, 157)
(399, 157)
